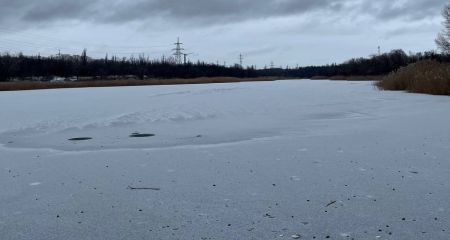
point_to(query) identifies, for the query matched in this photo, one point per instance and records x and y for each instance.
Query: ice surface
(267, 160)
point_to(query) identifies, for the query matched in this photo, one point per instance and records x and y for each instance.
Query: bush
(427, 76)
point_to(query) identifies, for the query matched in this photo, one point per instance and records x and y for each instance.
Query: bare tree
(443, 39)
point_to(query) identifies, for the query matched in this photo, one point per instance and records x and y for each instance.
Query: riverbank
(35, 85)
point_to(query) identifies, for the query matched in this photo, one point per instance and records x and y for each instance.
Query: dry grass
(27, 85)
(428, 76)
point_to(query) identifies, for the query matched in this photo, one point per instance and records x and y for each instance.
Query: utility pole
(241, 60)
(272, 66)
(379, 51)
(178, 51)
(185, 57)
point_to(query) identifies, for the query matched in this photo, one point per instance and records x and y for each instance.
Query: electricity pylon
(178, 51)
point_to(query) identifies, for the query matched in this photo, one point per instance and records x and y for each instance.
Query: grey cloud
(213, 11)
(52, 10)
(410, 10)
(11, 8)
(14, 12)
(205, 11)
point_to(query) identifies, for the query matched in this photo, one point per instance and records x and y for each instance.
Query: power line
(14, 45)
(54, 40)
(20, 41)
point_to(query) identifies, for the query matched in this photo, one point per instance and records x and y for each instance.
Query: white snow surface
(261, 160)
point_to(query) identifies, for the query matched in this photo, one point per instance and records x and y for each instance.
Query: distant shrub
(427, 76)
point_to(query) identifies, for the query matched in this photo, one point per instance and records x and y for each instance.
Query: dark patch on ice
(143, 188)
(331, 203)
(80, 139)
(141, 135)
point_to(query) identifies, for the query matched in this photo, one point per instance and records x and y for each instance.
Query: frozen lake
(266, 160)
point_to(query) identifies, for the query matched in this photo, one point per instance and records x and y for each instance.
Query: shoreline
(32, 85)
(39, 85)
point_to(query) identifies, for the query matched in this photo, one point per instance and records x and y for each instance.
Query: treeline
(20, 67)
(373, 66)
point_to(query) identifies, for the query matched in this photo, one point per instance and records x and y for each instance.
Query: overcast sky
(287, 32)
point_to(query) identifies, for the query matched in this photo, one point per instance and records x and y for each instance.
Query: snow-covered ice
(265, 160)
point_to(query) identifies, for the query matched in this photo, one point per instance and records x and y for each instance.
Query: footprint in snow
(295, 178)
